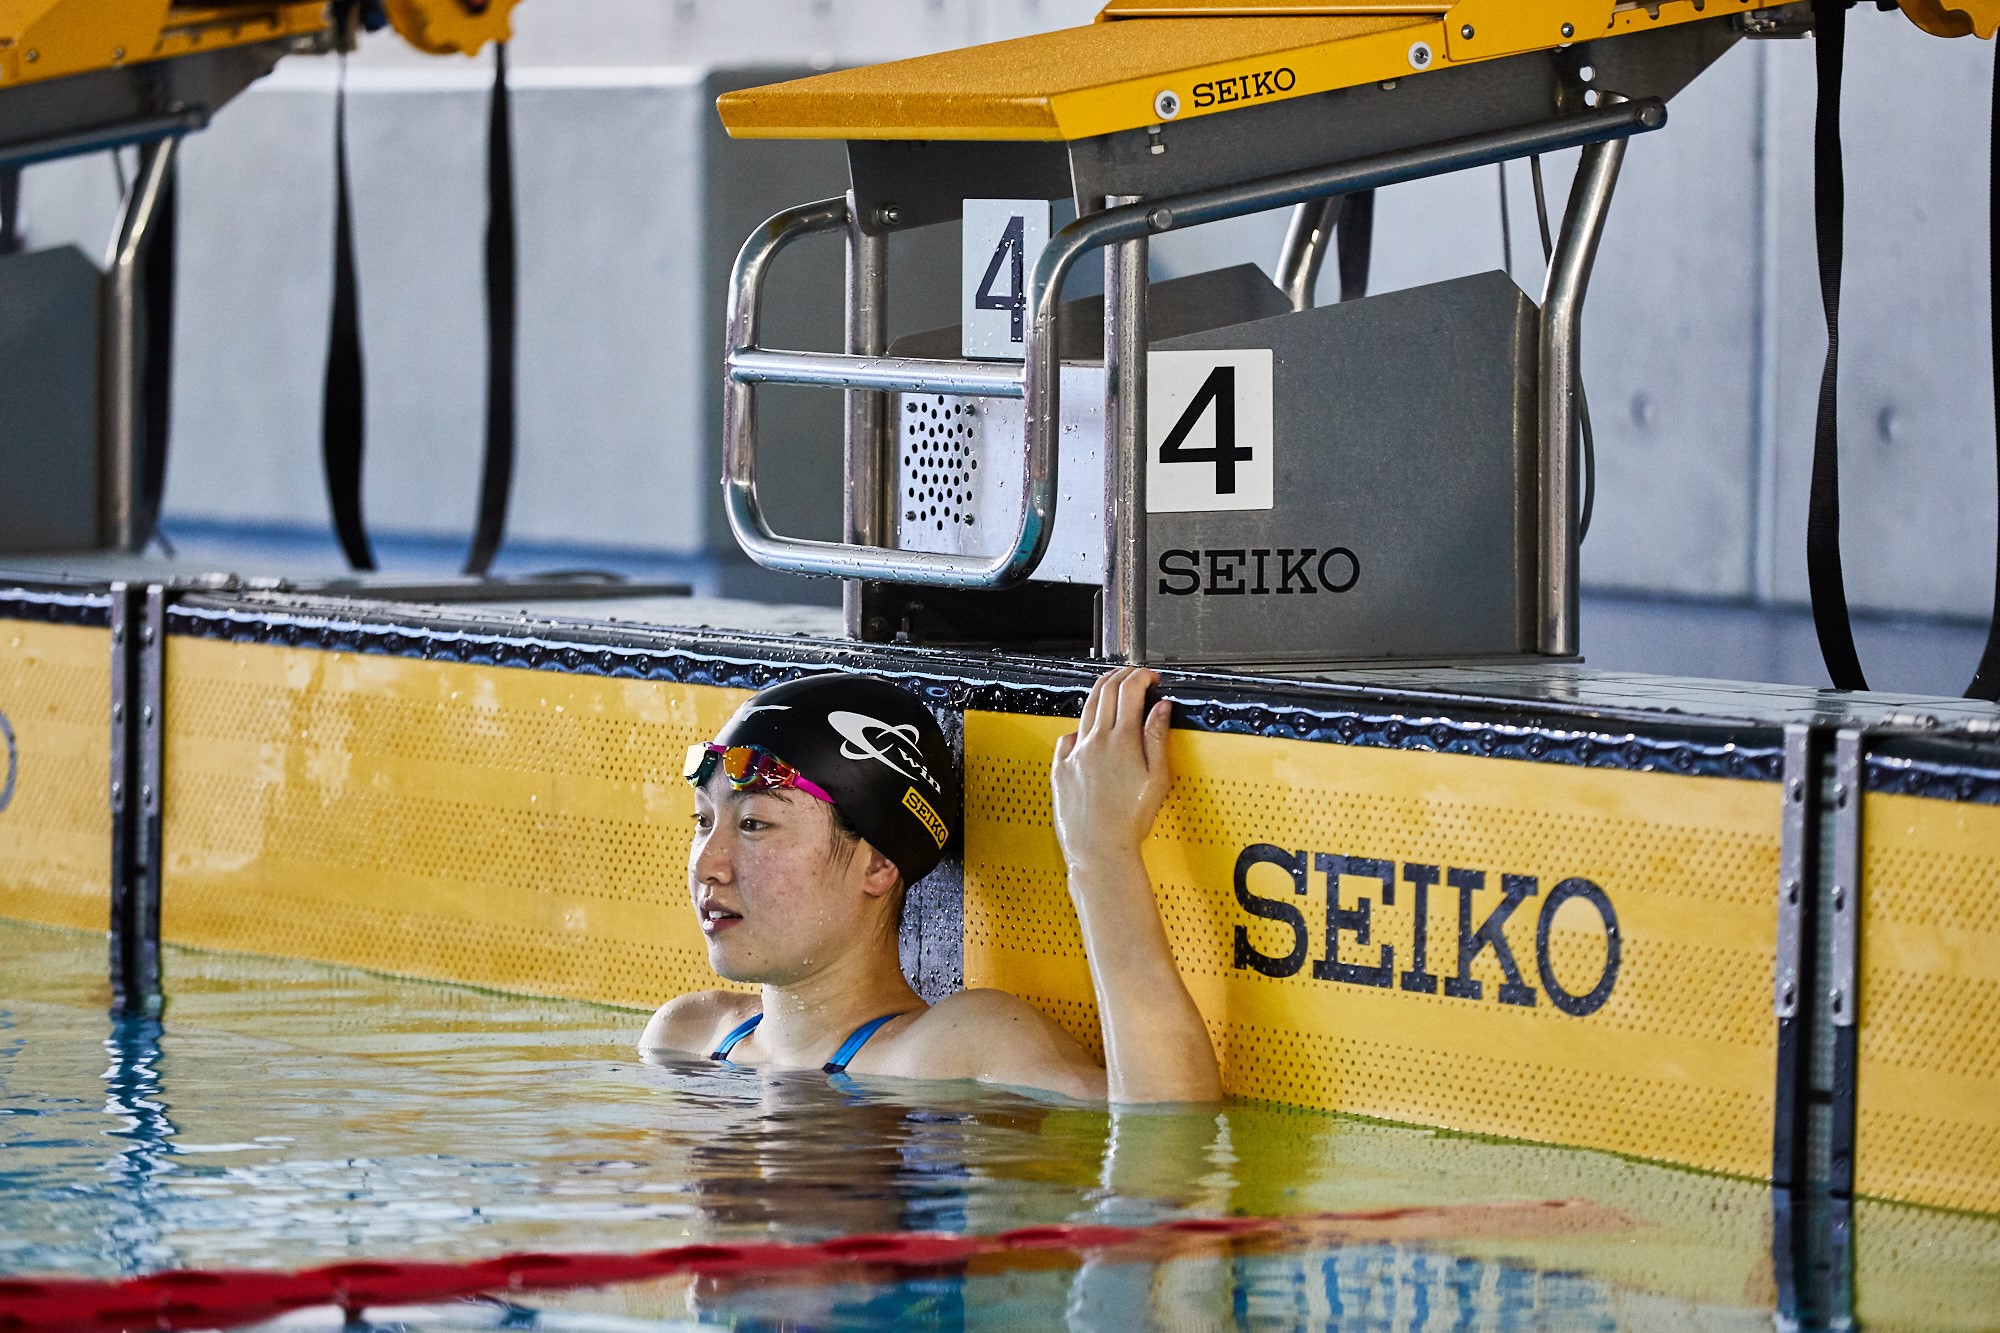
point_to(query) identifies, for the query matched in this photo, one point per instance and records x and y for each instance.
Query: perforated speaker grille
(523, 830)
(1927, 1127)
(1678, 1061)
(938, 464)
(55, 774)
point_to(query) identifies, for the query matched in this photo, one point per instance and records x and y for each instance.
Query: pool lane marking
(198, 1299)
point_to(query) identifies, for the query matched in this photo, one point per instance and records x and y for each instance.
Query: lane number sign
(1002, 240)
(1209, 437)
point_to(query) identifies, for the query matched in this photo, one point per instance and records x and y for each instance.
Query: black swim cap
(874, 748)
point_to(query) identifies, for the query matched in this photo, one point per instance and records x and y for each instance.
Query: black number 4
(1220, 389)
(1012, 245)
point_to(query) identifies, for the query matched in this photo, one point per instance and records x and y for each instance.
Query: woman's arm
(1110, 779)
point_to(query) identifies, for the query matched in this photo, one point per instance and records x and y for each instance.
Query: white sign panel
(1002, 238)
(1209, 438)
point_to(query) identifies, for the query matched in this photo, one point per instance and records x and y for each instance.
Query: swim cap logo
(893, 747)
(914, 802)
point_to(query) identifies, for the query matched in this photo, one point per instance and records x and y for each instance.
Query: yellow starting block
(45, 40)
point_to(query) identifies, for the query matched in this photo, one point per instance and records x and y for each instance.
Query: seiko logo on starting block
(1245, 87)
(1354, 920)
(1251, 571)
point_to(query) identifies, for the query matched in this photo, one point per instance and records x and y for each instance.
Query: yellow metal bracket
(1485, 29)
(1954, 18)
(448, 27)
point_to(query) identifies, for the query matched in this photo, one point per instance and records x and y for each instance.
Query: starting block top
(1147, 62)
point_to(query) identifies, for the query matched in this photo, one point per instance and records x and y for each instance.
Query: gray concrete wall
(1702, 350)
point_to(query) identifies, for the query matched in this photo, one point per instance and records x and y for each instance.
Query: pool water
(286, 1114)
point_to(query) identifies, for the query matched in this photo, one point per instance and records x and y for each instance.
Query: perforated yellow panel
(1676, 1063)
(55, 775)
(518, 829)
(1927, 1125)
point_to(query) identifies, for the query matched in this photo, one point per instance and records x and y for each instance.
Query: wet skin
(811, 920)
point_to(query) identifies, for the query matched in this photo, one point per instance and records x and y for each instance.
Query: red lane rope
(196, 1298)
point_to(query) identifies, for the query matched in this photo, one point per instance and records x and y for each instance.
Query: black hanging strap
(341, 414)
(1355, 244)
(496, 478)
(1986, 681)
(1829, 590)
(10, 211)
(156, 279)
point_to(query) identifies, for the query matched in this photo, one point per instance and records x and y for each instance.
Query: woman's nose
(712, 858)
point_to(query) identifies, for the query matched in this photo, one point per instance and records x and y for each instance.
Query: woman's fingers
(1132, 698)
(1158, 721)
(1064, 744)
(1091, 704)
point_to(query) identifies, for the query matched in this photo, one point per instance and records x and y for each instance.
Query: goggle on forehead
(748, 768)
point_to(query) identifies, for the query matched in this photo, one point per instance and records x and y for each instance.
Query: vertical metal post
(1843, 985)
(138, 679)
(1307, 241)
(1561, 371)
(1798, 861)
(1122, 633)
(119, 522)
(867, 515)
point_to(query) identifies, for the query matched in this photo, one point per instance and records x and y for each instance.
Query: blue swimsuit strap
(841, 1058)
(855, 1041)
(736, 1034)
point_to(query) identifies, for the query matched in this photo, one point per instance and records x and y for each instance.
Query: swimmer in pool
(817, 806)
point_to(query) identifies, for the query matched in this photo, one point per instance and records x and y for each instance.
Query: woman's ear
(881, 877)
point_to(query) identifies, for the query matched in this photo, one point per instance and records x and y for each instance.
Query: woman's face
(776, 891)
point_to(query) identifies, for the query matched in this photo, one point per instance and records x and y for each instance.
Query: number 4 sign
(1002, 240)
(1209, 439)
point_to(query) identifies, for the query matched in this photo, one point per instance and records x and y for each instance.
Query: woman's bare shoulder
(995, 1037)
(695, 1022)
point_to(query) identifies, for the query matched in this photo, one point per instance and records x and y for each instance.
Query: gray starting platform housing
(1403, 511)
(1402, 515)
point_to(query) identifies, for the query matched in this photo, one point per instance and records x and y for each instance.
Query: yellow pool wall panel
(1678, 1061)
(55, 774)
(515, 829)
(1927, 1115)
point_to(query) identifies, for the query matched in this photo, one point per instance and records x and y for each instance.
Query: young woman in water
(816, 807)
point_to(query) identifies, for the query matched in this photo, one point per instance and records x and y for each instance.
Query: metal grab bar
(1039, 376)
(747, 365)
(907, 374)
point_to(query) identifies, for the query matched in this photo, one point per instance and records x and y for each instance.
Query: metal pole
(866, 513)
(1307, 241)
(1123, 631)
(1561, 371)
(119, 520)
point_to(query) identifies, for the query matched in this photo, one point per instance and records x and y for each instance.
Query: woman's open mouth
(715, 920)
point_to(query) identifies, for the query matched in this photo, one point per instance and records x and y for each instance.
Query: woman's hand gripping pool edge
(1110, 779)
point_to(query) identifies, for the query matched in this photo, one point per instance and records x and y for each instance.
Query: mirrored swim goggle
(748, 768)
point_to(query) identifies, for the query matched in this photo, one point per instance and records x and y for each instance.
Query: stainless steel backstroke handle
(1037, 379)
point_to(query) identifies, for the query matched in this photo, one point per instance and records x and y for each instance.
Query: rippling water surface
(285, 1114)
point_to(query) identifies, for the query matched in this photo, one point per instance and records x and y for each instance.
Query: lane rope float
(220, 1299)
